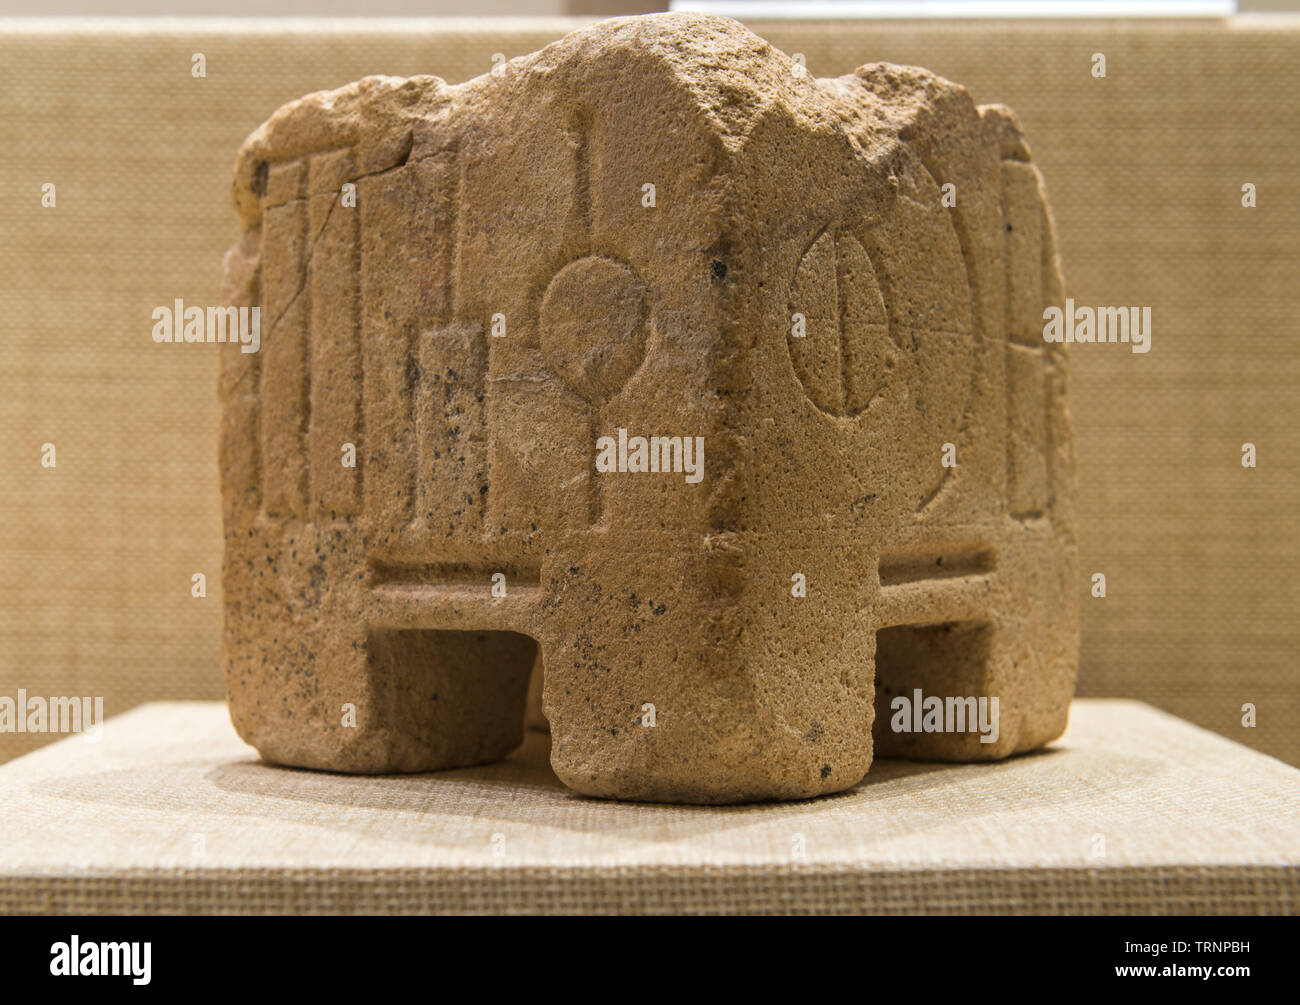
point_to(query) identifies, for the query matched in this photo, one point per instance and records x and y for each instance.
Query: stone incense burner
(709, 396)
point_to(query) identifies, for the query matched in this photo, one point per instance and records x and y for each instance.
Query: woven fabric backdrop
(1144, 169)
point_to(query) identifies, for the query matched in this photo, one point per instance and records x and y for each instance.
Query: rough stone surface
(502, 295)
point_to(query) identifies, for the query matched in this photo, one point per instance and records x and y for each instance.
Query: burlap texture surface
(1144, 169)
(1133, 811)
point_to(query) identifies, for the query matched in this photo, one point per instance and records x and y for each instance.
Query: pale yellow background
(1144, 170)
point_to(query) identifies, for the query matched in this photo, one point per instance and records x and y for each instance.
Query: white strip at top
(932, 9)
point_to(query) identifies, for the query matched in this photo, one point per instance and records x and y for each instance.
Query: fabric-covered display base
(1133, 811)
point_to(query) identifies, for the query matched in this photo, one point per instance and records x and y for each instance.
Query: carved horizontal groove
(452, 596)
(950, 563)
(456, 576)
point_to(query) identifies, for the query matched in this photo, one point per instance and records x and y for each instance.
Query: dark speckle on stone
(826, 770)
(718, 270)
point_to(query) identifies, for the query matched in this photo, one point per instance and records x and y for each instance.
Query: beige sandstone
(795, 293)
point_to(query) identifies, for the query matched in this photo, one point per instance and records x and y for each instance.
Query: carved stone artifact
(711, 396)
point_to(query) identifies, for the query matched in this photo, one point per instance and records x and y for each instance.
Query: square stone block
(648, 363)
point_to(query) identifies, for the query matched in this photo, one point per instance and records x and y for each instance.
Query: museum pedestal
(1132, 811)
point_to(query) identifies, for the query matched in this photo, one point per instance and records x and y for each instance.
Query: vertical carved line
(451, 222)
(445, 358)
(450, 428)
(580, 126)
(390, 372)
(838, 273)
(335, 374)
(286, 376)
(1028, 404)
(240, 388)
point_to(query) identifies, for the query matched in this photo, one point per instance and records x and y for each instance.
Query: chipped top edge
(1007, 132)
(734, 76)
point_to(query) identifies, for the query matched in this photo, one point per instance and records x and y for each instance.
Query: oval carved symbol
(845, 355)
(593, 322)
(594, 316)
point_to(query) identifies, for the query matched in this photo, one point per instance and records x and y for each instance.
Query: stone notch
(636, 373)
